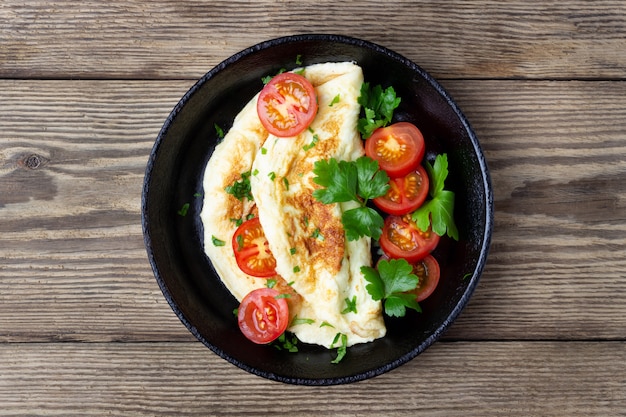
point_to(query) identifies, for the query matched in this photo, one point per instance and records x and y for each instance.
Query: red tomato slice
(427, 270)
(401, 238)
(252, 251)
(263, 316)
(287, 104)
(405, 193)
(398, 148)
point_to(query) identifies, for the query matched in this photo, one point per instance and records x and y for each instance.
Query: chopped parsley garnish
(272, 175)
(390, 282)
(438, 212)
(270, 283)
(183, 210)
(317, 234)
(359, 181)
(296, 269)
(326, 324)
(350, 306)
(287, 342)
(268, 78)
(217, 242)
(341, 349)
(292, 251)
(263, 151)
(378, 106)
(241, 188)
(297, 320)
(284, 295)
(335, 100)
(219, 131)
(298, 59)
(286, 182)
(313, 142)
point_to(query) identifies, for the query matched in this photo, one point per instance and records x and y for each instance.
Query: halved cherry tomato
(263, 316)
(252, 251)
(401, 238)
(427, 270)
(405, 193)
(398, 148)
(287, 104)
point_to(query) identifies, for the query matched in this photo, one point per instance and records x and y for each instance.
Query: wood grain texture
(164, 379)
(75, 264)
(164, 39)
(84, 89)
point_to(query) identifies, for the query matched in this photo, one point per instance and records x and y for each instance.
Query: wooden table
(84, 89)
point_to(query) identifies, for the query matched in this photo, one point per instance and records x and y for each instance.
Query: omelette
(315, 263)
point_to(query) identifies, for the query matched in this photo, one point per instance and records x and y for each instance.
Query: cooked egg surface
(315, 262)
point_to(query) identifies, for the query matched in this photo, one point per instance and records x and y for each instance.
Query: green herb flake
(183, 210)
(334, 101)
(326, 324)
(312, 144)
(350, 306)
(296, 269)
(263, 151)
(270, 283)
(197, 195)
(390, 282)
(239, 240)
(292, 251)
(297, 320)
(272, 175)
(217, 242)
(219, 131)
(317, 234)
(241, 189)
(286, 183)
(298, 59)
(287, 342)
(279, 296)
(342, 348)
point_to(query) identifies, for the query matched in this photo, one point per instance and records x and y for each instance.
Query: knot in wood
(33, 161)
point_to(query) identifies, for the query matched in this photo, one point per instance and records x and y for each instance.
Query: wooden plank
(74, 265)
(449, 379)
(184, 39)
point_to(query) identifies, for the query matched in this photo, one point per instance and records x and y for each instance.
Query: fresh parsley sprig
(378, 106)
(359, 181)
(390, 282)
(438, 212)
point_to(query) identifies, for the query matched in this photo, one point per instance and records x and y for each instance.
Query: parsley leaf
(339, 178)
(390, 283)
(372, 182)
(378, 106)
(439, 211)
(359, 181)
(362, 221)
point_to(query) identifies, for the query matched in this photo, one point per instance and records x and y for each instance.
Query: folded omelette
(316, 264)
